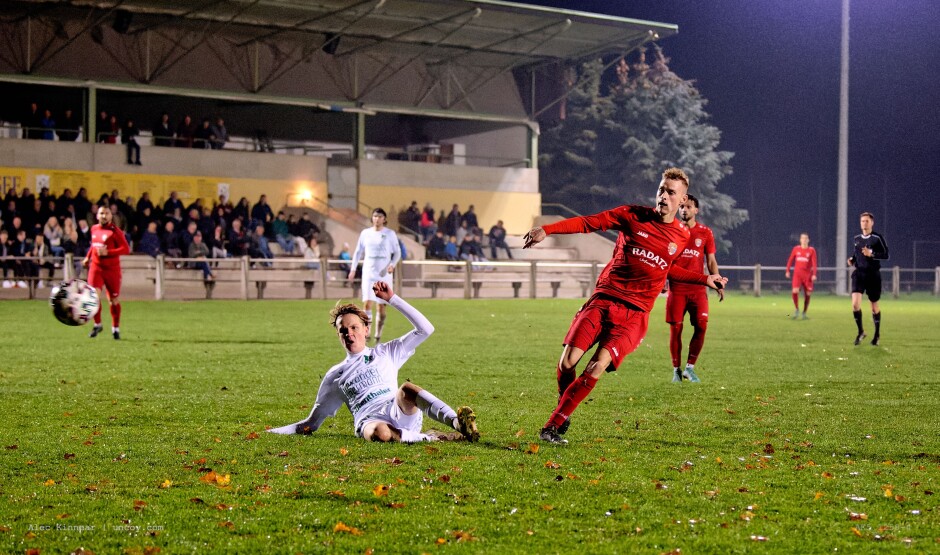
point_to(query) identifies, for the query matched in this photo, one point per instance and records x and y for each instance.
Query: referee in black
(870, 249)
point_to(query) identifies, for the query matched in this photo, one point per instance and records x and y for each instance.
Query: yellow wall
(280, 192)
(517, 210)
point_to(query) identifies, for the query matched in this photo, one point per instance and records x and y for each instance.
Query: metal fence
(165, 278)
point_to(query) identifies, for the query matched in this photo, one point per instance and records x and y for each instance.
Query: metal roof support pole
(532, 151)
(359, 136)
(91, 136)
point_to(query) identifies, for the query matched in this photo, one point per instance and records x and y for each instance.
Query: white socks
(436, 409)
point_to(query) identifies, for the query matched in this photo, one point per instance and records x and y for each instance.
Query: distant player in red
(684, 297)
(803, 260)
(616, 316)
(104, 266)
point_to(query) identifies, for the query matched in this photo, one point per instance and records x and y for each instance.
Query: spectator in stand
(129, 134)
(312, 255)
(218, 244)
(163, 131)
(170, 241)
(144, 202)
(68, 127)
(261, 213)
(451, 252)
(259, 246)
(282, 233)
(83, 239)
(32, 122)
(22, 265)
(497, 237)
(452, 222)
(205, 225)
(202, 137)
(149, 243)
(238, 240)
(470, 218)
(306, 228)
(471, 250)
(427, 224)
(409, 221)
(53, 234)
(462, 232)
(104, 125)
(143, 221)
(5, 251)
(185, 132)
(70, 246)
(82, 205)
(344, 254)
(436, 247)
(242, 210)
(200, 251)
(48, 125)
(172, 204)
(62, 205)
(113, 130)
(41, 259)
(186, 237)
(219, 134)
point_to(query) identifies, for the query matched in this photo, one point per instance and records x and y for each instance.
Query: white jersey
(378, 250)
(368, 380)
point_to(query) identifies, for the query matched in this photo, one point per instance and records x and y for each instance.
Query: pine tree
(611, 148)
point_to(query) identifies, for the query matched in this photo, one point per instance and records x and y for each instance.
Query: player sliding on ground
(367, 382)
(616, 316)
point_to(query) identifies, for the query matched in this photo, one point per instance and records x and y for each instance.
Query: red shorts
(610, 324)
(110, 279)
(696, 304)
(803, 280)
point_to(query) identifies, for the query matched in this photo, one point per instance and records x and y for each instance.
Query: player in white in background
(379, 251)
(367, 382)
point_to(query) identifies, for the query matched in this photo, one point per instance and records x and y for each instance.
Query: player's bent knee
(382, 433)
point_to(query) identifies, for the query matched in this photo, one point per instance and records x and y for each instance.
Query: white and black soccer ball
(74, 302)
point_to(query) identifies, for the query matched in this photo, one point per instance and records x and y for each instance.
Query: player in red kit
(616, 316)
(691, 298)
(104, 266)
(803, 260)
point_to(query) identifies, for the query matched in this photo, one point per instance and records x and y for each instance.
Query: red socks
(115, 315)
(675, 343)
(572, 397)
(695, 345)
(796, 301)
(805, 302)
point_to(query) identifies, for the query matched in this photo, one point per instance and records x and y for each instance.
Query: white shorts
(368, 280)
(390, 413)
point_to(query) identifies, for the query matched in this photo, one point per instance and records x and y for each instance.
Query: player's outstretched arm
(329, 400)
(423, 326)
(717, 283)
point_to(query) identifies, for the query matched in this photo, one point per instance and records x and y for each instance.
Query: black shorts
(867, 282)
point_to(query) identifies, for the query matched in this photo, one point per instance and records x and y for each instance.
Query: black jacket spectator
(163, 131)
(436, 246)
(68, 127)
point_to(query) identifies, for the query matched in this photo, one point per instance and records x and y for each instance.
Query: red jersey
(112, 237)
(642, 257)
(694, 257)
(802, 260)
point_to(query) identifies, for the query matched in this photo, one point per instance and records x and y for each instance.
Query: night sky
(770, 71)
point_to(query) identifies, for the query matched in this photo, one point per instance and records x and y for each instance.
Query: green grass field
(795, 442)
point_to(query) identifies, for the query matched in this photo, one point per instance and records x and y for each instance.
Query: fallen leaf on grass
(857, 516)
(336, 493)
(395, 505)
(548, 508)
(49, 482)
(340, 527)
(166, 484)
(139, 505)
(827, 475)
(552, 464)
(62, 516)
(343, 451)
(819, 495)
(222, 507)
(68, 456)
(212, 478)
(532, 449)
(227, 524)
(462, 536)
(889, 490)
(196, 500)
(440, 541)
(380, 490)
(393, 461)
(252, 435)
(856, 532)
(263, 488)
(520, 433)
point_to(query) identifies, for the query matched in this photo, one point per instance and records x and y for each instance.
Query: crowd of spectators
(40, 123)
(39, 229)
(452, 236)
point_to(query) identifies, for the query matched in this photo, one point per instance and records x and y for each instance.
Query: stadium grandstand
(330, 108)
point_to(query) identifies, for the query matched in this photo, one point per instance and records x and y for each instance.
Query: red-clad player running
(616, 316)
(104, 266)
(683, 297)
(803, 260)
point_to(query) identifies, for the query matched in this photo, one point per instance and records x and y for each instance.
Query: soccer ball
(74, 302)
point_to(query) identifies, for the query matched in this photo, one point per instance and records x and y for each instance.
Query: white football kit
(367, 382)
(378, 250)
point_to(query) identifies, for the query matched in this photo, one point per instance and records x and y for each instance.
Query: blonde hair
(341, 310)
(676, 174)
